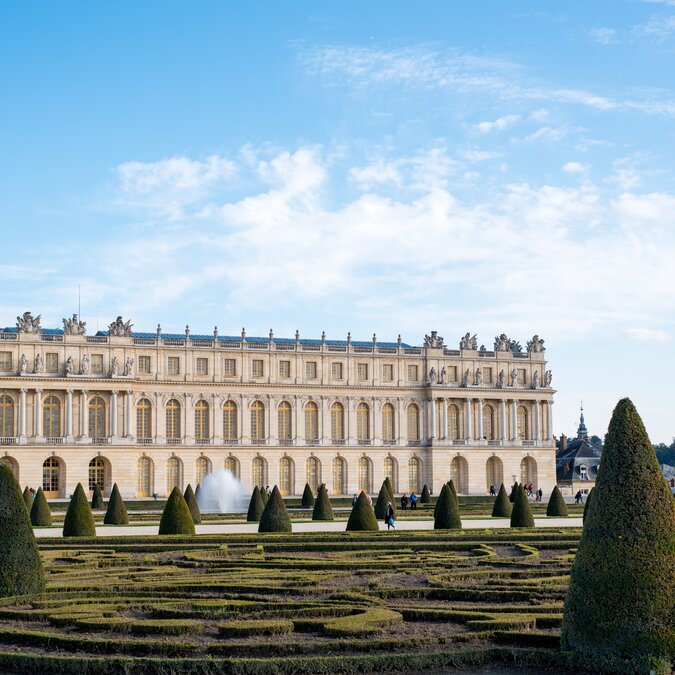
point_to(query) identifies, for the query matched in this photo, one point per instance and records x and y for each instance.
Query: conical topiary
(97, 498)
(446, 514)
(502, 507)
(521, 516)
(426, 495)
(20, 565)
(79, 521)
(256, 506)
(383, 498)
(117, 510)
(588, 501)
(176, 517)
(27, 498)
(451, 485)
(275, 517)
(264, 495)
(198, 489)
(307, 497)
(390, 489)
(621, 600)
(40, 515)
(514, 492)
(191, 501)
(322, 506)
(556, 504)
(362, 518)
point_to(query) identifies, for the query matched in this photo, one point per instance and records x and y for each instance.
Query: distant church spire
(582, 431)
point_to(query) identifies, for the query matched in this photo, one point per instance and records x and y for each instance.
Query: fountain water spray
(221, 492)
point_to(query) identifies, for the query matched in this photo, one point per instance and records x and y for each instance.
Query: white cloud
(603, 36)
(480, 155)
(547, 133)
(575, 167)
(648, 335)
(499, 124)
(657, 28)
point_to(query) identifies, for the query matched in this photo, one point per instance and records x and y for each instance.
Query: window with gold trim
(339, 476)
(97, 363)
(173, 415)
(257, 421)
(97, 470)
(96, 418)
(413, 374)
(391, 472)
(174, 474)
(311, 422)
(286, 471)
(313, 473)
(387, 372)
(259, 472)
(257, 368)
(232, 465)
(203, 469)
(51, 362)
(230, 367)
(202, 366)
(488, 422)
(51, 478)
(285, 418)
(413, 416)
(202, 431)
(5, 360)
(310, 370)
(362, 422)
(414, 474)
(362, 371)
(145, 477)
(6, 416)
(144, 365)
(453, 422)
(230, 432)
(337, 422)
(173, 365)
(388, 424)
(51, 417)
(284, 369)
(144, 419)
(522, 423)
(336, 370)
(365, 475)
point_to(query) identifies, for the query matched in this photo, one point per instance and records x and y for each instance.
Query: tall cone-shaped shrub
(521, 515)
(362, 518)
(502, 506)
(256, 506)
(40, 514)
(27, 498)
(307, 496)
(514, 492)
(20, 565)
(198, 489)
(275, 517)
(586, 505)
(451, 485)
(176, 517)
(556, 504)
(97, 498)
(264, 495)
(117, 509)
(191, 501)
(322, 507)
(383, 498)
(390, 489)
(426, 495)
(621, 598)
(79, 521)
(446, 514)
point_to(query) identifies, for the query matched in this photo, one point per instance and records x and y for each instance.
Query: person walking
(404, 501)
(354, 500)
(389, 516)
(540, 494)
(493, 490)
(413, 501)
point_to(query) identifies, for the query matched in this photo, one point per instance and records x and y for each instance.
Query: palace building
(150, 411)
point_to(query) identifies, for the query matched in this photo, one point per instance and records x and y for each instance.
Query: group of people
(579, 498)
(412, 500)
(531, 492)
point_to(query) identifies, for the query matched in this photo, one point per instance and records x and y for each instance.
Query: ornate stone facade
(150, 410)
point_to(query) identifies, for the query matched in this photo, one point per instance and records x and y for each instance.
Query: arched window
(339, 476)
(173, 431)
(494, 473)
(230, 432)
(202, 431)
(174, 474)
(260, 472)
(97, 474)
(144, 419)
(362, 423)
(51, 417)
(203, 469)
(286, 476)
(528, 471)
(257, 422)
(413, 423)
(6, 416)
(337, 423)
(51, 478)
(488, 422)
(232, 465)
(522, 423)
(311, 422)
(144, 486)
(96, 418)
(285, 415)
(313, 473)
(388, 426)
(459, 470)
(414, 472)
(391, 472)
(453, 422)
(365, 475)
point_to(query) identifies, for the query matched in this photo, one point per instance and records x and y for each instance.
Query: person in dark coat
(404, 501)
(389, 516)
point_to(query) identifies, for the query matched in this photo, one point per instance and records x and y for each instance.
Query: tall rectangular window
(387, 372)
(257, 368)
(51, 362)
(487, 375)
(336, 370)
(230, 367)
(144, 365)
(522, 376)
(362, 371)
(97, 363)
(412, 374)
(452, 373)
(202, 366)
(284, 369)
(173, 365)
(5, 360)
(310, 370)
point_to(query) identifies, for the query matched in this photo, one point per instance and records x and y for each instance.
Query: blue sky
(387, 167)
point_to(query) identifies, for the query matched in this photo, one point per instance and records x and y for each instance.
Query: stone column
(84, 415)
(351, 425)
(159, 430)
(38, 413)
(324, 414)
(188, 413)
(549, 420)
(537, 421)
(514, 420)
(468, 423)
(273, 427)
(376, 421)
(69, 416)
(432, 421)
(244, 430)
(444, 417)
(297, 431)
(128, 415)
(22, 417)
(502, 420)
(401, 414)
(217, 430)
(113, 415)
(479, 420)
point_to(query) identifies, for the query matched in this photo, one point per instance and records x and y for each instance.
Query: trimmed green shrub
(191, 501)
(362, 518)
(40, 515)
(27, 498)
(117, 510)
(97, 498)
(307, 496)
(588, 501)
(251, 627)
(256, 506)
(382, 499)
(451, 485)
(79, 521)
(176, 517)
(20, 565)
(556, 504)
(502, 507)
(521, 516)
(198, 489)
(322, 507)
(390, 489)
(264, 495)
(514, 492)
(275, 516)
(446, 513)
(426, 495)
(620, 601)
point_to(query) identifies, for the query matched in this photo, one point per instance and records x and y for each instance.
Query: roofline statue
(118, 328)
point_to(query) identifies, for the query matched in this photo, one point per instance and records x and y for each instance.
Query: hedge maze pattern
(375, 602)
